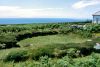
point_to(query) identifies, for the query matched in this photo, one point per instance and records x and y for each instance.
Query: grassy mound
(52, 39)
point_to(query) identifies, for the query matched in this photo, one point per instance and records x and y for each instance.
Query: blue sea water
(34, 20)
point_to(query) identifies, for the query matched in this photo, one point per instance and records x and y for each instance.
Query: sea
(35, 20)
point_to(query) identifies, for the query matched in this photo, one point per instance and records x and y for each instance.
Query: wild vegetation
(49, 45)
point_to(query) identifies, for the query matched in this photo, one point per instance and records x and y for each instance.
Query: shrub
(65, 62)
(37, 53)
(9, 40)
(44, 59)
(93, 28)
(71, 52)
(2, 46)
(58, 53)
(16, 56)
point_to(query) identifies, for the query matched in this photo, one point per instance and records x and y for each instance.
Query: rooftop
(97, 13)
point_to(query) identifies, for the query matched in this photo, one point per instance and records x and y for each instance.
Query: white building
(96, 17)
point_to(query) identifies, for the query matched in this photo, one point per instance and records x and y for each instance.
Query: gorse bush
(2, 46)
(58, 53)
(93, 28)
(65, 62)
(85, 34)
(72, 52)
(9, 40)
(37, 53)
(44, 59)
(17, 56)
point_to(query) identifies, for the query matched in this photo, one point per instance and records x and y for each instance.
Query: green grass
(52, 39)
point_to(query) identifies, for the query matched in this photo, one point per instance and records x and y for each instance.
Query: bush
(44, 59)
(2, 46)
(9, 40)
(43, 51)
(65, 62)
(72, 52)
(16, 56)
(93, 28)
(48, 50)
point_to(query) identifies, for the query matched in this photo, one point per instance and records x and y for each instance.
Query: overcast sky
(48, 8)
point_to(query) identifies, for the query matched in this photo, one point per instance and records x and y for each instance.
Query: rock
(27, 45)
(97, 46)
(89, 40)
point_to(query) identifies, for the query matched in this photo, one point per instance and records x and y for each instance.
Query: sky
(48, 8)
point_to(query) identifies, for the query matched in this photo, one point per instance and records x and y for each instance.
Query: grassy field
(52, 39)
